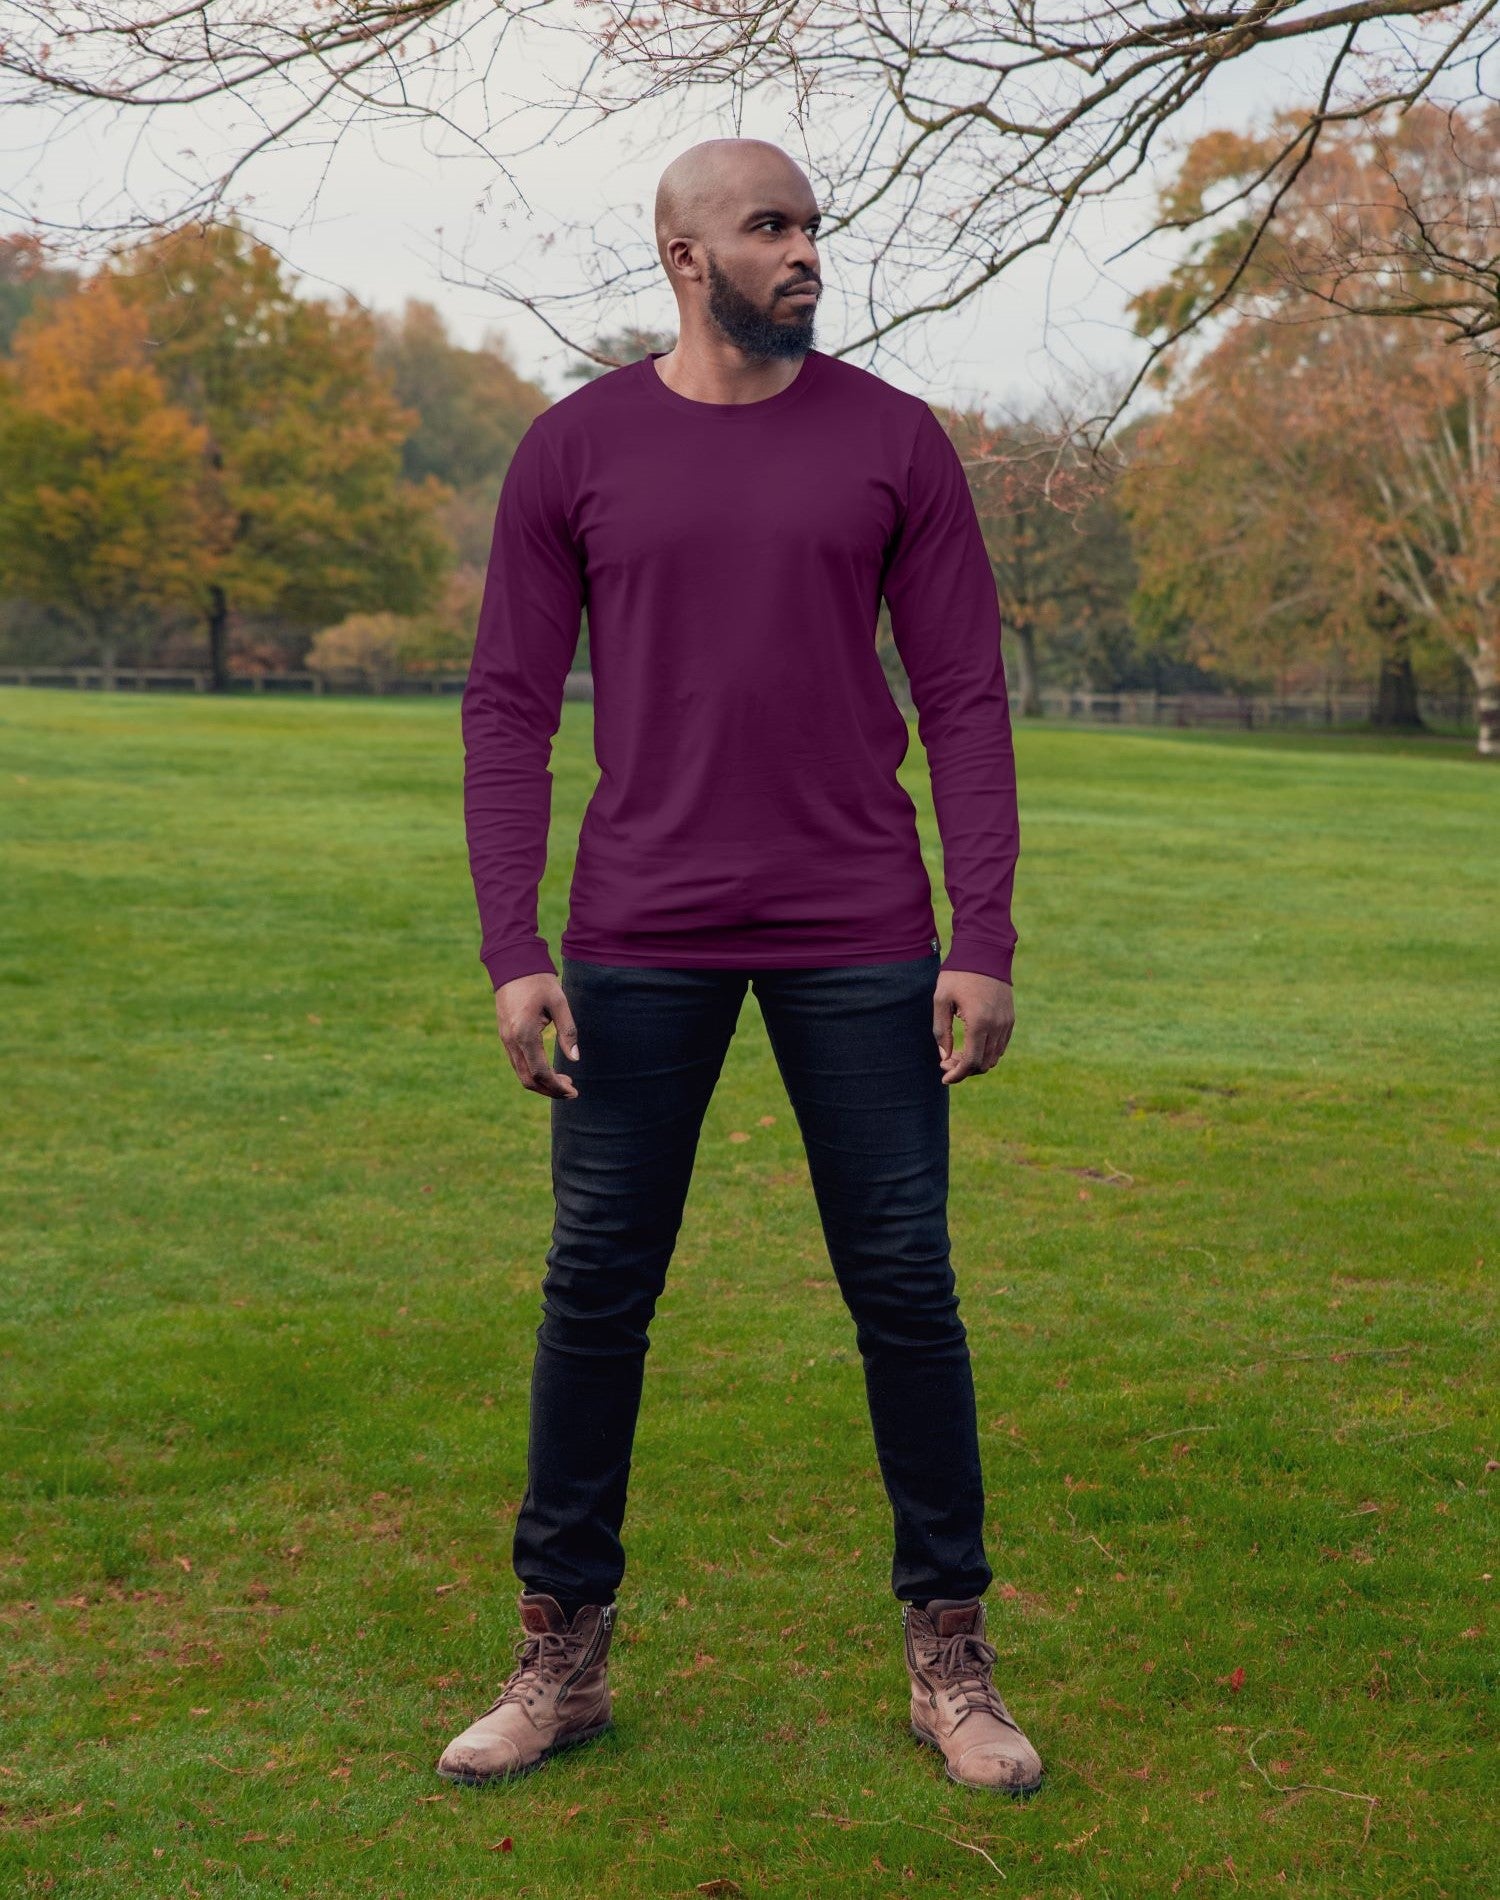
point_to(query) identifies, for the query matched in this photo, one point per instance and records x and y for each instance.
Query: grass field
(275, 1209)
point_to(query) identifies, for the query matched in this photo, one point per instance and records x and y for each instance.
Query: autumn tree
(28, 277)
(1057, 545)
(1436, 474)
(304, 436)
(1395, 214)
(1322, 484)
(105, 513)
(472, 406)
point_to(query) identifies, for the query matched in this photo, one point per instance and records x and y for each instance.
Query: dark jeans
(862, 1069)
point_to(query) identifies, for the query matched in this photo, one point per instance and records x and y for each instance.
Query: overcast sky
(403, 211)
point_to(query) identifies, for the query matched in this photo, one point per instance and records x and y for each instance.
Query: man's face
(764, 278)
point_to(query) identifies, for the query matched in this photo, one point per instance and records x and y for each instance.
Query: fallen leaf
(737, 1134)
(719, 1886)
(502, 1847)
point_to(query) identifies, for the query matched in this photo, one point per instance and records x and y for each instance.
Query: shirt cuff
(985, 959)
(509, 961)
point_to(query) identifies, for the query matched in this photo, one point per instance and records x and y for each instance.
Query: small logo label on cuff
(935, 943)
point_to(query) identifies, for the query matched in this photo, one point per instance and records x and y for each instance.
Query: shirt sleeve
(529, 620)
(945, 616)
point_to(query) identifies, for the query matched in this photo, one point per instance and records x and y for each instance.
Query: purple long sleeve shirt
(732, 558)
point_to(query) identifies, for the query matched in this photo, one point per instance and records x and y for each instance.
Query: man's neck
(719, 372)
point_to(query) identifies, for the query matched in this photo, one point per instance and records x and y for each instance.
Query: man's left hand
(988, 1009)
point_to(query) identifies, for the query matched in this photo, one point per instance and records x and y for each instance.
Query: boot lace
(962, 1664)
(540, 1654)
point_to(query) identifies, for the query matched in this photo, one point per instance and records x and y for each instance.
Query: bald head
(706, 189)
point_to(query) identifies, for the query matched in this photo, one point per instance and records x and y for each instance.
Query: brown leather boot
(557, 1695)
(955, 1707)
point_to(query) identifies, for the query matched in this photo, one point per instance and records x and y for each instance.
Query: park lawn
(274, 1215)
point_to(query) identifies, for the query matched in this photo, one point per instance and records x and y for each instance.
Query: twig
(900, 1820)
(225, 1766)
(29, 1821)
(1346, 1352)
(1427, 1431)
(1310, 1787)
(1178, 1431)
(1089, 1535)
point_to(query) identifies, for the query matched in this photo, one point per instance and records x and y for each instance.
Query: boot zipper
(916, 1669)
(606, 1624)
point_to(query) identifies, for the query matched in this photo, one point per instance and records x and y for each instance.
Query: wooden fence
(1248, 710)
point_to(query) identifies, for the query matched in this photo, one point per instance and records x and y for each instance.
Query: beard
(752, 329)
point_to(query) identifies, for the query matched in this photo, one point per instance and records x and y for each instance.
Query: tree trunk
(218, 640)
(108, 660)
(1487, 684)
(1396, 708)
(1031, 696)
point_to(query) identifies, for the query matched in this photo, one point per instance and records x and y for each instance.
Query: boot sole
(470, 1780)
(1023, 1792)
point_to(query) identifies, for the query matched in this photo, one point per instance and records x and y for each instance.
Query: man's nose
(803, 253)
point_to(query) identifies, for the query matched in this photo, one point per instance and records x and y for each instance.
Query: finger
(982, 1050)
(535, 1071)
(959, 1062)
(517, 1060)
(555, 1081)
(567, 1030)
(942, 1025)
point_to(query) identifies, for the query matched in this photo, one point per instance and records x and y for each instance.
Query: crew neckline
(805, 376)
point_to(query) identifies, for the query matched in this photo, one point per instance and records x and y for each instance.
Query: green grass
(1225, 1226)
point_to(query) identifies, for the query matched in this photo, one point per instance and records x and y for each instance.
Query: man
(730, 512)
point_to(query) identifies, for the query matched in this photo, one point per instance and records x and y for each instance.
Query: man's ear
(682, 259)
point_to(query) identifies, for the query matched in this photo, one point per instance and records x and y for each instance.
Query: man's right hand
(523, 1008)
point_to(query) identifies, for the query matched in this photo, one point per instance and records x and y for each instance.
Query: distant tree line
(199, 463)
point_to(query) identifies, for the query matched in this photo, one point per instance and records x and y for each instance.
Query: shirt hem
(666, 958)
